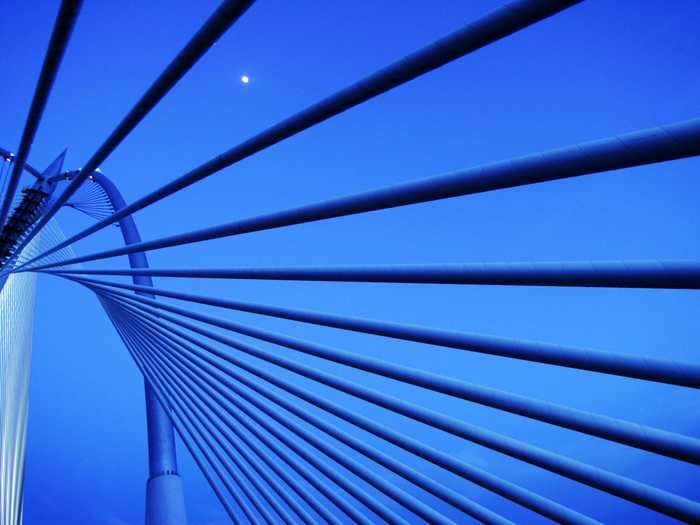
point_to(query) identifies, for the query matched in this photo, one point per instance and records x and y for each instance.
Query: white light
(245, 79)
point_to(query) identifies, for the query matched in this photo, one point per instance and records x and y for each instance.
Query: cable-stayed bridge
(273, 448)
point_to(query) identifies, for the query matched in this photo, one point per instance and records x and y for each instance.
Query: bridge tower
(164, 494)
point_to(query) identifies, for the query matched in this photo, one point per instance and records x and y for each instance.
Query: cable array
(149, 315)
(91, 200)
(262, 412)
(17, 302)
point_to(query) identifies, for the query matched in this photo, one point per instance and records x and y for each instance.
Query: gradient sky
(600, 69)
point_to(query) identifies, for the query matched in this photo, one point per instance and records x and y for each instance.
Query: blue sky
(600, 69)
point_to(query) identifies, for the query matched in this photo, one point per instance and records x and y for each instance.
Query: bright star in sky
(245, 79)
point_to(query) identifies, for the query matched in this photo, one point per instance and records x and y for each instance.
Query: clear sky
(600, 69)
